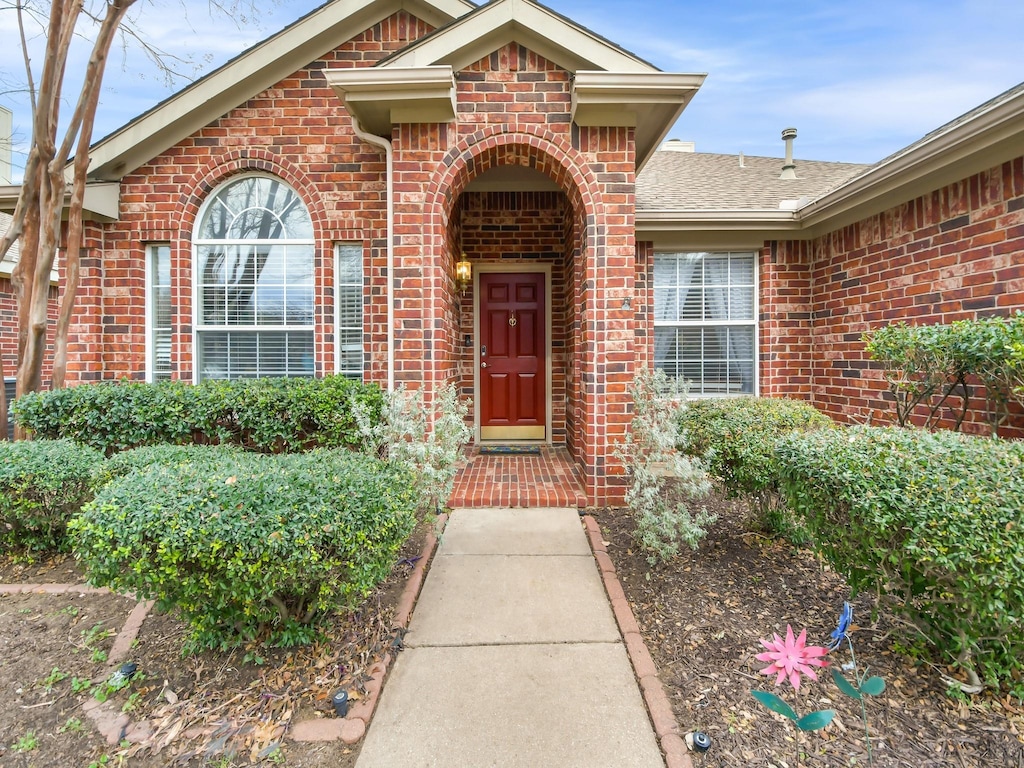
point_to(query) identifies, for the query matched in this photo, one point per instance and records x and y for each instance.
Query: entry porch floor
(547, 479)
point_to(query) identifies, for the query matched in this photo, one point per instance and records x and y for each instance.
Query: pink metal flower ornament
(791, 658)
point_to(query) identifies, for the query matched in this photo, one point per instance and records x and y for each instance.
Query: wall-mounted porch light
(463, 273)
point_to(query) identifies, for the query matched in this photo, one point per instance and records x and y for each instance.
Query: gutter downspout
(389, 184)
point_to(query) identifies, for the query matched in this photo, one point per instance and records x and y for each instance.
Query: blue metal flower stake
(862, 684)
(789, 660)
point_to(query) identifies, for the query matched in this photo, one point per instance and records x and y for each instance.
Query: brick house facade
(408, 136)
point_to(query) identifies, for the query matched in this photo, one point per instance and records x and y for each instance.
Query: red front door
(513, 344)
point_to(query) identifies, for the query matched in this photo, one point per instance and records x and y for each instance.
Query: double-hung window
(705, 320)
(254, 274)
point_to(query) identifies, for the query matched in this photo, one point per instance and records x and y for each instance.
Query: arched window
(254, 282)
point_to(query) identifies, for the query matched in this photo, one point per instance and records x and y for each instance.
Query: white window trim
(198, 327)
(755, 323)
(151, 309)
(338, 368)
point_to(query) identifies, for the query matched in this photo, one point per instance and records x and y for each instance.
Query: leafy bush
(932, 366)
(248, 547)
(42, 484)
(266, 415)
(401, 434)
(935, 520)
(137, 459)
(736, 437)
(662, 480)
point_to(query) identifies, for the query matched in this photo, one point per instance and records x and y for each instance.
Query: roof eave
(380, 98)
(718, 229)
(101, 202)
(983, 141)
(251, 72)
(650, 102)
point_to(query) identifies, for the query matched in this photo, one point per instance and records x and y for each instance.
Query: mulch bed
(224, 709)
(702, 615)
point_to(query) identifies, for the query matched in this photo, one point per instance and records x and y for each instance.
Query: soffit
(249, 73)
(380, 98)
(650, 102)
(101, 201)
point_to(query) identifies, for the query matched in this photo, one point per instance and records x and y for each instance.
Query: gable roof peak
(489, 27)
(250, 72)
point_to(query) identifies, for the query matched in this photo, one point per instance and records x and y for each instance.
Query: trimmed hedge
(265, 415)
(935, 520)
(139, 459)
(248, 547)
(42, 484)
(736, 437)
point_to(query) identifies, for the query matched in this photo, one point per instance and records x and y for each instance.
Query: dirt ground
(702, 615)
(211, 709)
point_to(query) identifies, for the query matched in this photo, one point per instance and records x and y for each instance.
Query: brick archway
(219, 170)
(579, 418)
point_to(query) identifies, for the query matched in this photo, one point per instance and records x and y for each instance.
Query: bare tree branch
(87, 117)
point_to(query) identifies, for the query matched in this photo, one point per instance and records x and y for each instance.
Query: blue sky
(858, 80)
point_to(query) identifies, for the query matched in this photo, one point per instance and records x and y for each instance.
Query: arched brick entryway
(578, 267)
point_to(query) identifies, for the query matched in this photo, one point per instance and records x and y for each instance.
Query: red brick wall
(784, 306)
(513, 109)
(8, 328)
(9, 331)
(297, 130)
(955, 253)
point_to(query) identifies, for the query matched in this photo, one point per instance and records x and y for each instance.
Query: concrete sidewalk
(513, 656)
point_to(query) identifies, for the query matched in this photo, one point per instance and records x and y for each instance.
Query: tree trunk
(43, 191)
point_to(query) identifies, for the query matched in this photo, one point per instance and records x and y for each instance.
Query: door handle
(483, 364)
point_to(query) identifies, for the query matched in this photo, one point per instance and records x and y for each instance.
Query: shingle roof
(700, 181)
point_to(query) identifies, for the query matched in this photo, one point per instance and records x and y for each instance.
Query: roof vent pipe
(789, 167)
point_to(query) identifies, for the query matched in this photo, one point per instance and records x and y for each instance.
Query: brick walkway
(546, 480)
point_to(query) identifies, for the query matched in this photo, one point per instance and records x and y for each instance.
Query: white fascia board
(250, 73)
(783, 222)
(380, 97)
(600, 89)
(101, 203)
(649, 101)
(715, 229)
(981, 142)
(539, 29)
(9, 194)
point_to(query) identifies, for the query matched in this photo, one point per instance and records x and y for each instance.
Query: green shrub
(400, 433)
(662, 481)
(736, 437)
(929, 368)
(249, 547)
(935, 520)
(266, 415)
(138, 459)
(42, 484)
